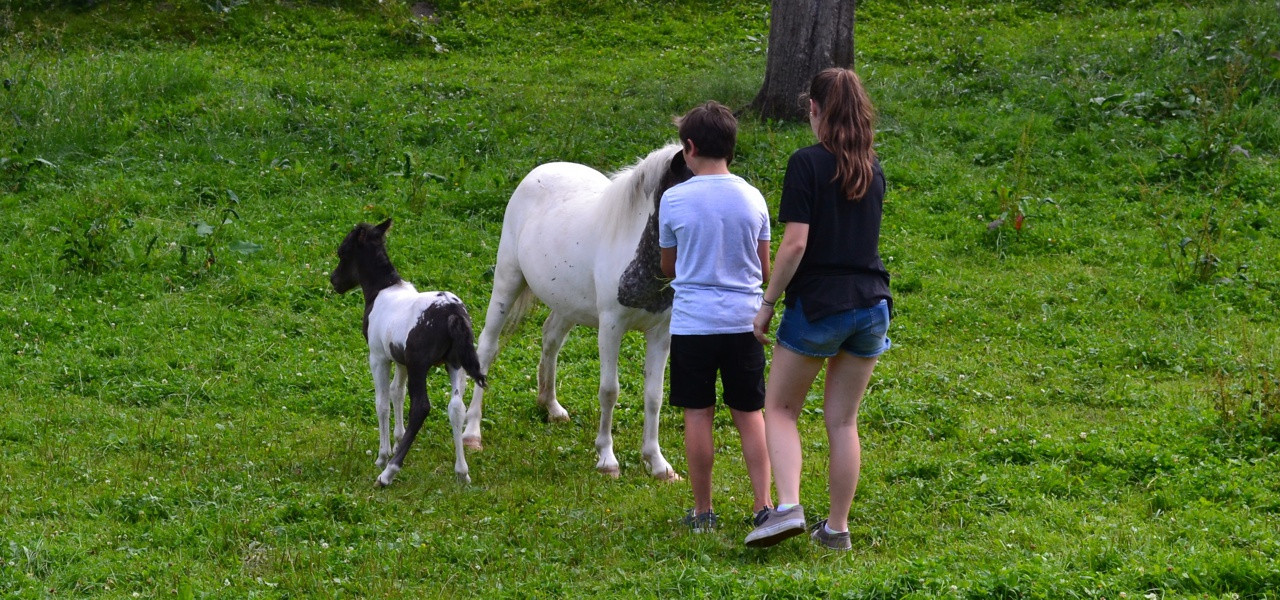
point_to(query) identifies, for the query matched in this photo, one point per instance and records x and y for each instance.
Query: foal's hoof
(472, 443)
(611, 471)
(464, 479)
(386, 477)
(558, 417)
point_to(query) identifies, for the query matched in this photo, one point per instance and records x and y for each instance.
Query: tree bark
(805, 37)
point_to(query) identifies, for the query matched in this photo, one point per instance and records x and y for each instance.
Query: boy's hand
(764, 318)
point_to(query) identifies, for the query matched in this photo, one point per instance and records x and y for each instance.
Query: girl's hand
(764, 318)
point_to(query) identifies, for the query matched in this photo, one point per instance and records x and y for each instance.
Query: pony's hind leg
(554, 332)
(381, 371)
(508, 287)
(418, 407)
(397, 404)
(486, 350)
(657, 346)
(609, 343)
(457, 419)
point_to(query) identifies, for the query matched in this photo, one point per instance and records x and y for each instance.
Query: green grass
(1086, 407)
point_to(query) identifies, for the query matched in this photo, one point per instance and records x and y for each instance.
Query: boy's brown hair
(713, 129)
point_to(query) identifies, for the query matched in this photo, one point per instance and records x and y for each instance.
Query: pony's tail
(464, 348)
(519, 310)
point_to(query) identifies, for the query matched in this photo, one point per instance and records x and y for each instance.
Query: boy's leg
(693, 388)
(756, 452)
(847, 378)
(742, 373)
(699, 451)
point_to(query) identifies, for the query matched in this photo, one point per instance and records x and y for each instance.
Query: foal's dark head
(363, 261)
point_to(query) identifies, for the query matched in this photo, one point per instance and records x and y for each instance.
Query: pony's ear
(383, 226)
(678, 164)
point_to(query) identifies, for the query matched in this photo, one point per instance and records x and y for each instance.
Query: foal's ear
(383, 226)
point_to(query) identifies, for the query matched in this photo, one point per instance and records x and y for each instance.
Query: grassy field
(1082, 406)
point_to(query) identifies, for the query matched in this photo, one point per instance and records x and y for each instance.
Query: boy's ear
(689, 146)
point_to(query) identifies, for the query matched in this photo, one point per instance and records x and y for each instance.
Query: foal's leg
(382, 395)
(554, 332)
(457, 418)
(508, 284)
(397, 403)
(417, 414)
(609, 342)
(657, 346)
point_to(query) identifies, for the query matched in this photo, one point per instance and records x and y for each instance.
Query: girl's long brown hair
(846, 127)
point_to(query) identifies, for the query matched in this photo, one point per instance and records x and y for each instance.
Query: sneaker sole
(776, 534)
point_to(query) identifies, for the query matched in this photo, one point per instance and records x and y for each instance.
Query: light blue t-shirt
(715, 223)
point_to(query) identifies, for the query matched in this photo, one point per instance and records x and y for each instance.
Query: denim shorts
(858, 331)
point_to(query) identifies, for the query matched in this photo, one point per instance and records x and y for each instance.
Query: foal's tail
(464, 348)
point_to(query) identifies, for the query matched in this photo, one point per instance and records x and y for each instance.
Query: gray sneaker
(703, 523)
(833, 541)
(773, 526)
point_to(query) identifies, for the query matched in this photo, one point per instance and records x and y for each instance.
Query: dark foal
(413, 332)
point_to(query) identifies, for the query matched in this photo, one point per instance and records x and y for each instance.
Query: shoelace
(761, 515)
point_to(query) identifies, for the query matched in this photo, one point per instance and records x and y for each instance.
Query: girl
(836, 307)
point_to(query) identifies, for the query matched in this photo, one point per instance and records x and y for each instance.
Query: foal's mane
(628, 200)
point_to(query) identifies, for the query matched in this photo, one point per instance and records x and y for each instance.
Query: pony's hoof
(611, 472)
(464, 479)
(472, 443)
(562, 417)
(377, 483)
(669, 476)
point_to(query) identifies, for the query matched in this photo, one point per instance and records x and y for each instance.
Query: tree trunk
(805, 37)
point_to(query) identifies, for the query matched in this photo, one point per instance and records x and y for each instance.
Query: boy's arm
(762, 249)
(669, 262)
(795, 239)
(791, 249)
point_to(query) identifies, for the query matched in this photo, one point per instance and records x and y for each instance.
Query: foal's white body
(395, 313)
(568, 234)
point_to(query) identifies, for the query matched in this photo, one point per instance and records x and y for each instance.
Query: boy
(714, 235)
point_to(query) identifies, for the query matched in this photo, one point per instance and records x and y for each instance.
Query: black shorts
(738, 357)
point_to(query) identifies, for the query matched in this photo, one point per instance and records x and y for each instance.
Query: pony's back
(552, 185)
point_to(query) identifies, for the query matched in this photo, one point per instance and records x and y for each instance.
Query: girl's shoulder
(816, 150)
(812, 155)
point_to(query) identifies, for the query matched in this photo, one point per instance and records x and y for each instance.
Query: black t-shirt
(841, 268)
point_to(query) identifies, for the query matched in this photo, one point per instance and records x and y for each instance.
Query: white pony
(587, 247)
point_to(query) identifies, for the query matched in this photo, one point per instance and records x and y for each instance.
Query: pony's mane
(628, 200)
